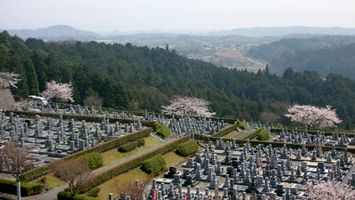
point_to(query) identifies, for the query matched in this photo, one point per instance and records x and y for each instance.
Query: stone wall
(6, 99)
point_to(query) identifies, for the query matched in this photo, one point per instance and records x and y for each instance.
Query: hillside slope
(131, 77)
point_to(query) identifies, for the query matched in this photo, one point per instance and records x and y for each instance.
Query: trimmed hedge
(163, 131)
(131, 164)
(94, 192)
(27, 189)
(252, 134)
(93, 160)
(187, 148)
(154, 164)
(263, 135)
(242, 125)
(40, 171)
(65, 195)
(229, 129)
(131, 145)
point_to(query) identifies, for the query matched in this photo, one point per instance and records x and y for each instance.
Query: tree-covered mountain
(339, 59)
(57, 32)
(282, 31)
(274, 50)
(131, 77)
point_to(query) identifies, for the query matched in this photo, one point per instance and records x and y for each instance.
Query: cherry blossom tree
(329, 190)
(188, 106)
(9, 79)
(58, 91)
(16, 160)
(313, 116)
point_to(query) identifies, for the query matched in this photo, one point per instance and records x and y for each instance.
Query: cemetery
(233, 172)
(225, 168)
(50, 139)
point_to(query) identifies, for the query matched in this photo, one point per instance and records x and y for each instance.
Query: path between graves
(240, 136)
(348, 175)
(52, 194)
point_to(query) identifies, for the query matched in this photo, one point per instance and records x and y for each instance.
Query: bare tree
(75, 172)
(26, 105)
(16, 160)
(93, 100)
(269, 116)
(9, 79)
(134, 190)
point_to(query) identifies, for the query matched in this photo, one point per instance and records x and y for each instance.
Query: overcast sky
(175, 15)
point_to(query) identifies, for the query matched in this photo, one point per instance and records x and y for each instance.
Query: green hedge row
(40, 171)
(187, 148)
(131, 145)
(263, 135)
(27, 189)
(65, 195)
(154, 164)
(252, 134)
(163, 131)
(231, 128)
(130, 164)
(93, 160)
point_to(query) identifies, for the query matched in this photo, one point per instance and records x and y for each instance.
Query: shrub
(187, 148)
(65, 195)
(263, 135)
(141, 142)
(93, 160)
(163, 131)
(252, 134)
(27, 189)
(154, 164)
(128, 147)
(93, 192)
(242, 125)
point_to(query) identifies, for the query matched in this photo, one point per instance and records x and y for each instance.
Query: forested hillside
(130, 77)
(274, 50)
(340, 59)
(327, 54)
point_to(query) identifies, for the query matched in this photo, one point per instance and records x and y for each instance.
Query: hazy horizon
(175, 16)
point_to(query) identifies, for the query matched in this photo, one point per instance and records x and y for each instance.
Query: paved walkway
(240, 136)
(348, 175)
(52, 194)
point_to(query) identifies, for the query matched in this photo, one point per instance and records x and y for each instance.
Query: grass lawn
(231, 135)
(172, 159)
(51, 180)
(113, 155)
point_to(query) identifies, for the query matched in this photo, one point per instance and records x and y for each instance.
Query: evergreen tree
(31, 77)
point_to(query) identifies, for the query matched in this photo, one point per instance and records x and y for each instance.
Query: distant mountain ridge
(57, 32)
(282, 31)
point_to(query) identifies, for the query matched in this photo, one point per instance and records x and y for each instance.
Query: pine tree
(31, 77)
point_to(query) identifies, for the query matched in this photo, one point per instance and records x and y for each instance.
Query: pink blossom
(9, 79)
(313, 116)
(329, 190)
(188, 106)
(60, 91)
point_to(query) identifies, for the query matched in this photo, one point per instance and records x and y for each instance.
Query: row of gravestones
(260, 170)
(186, 125)
(296, 137)
(54, 138)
